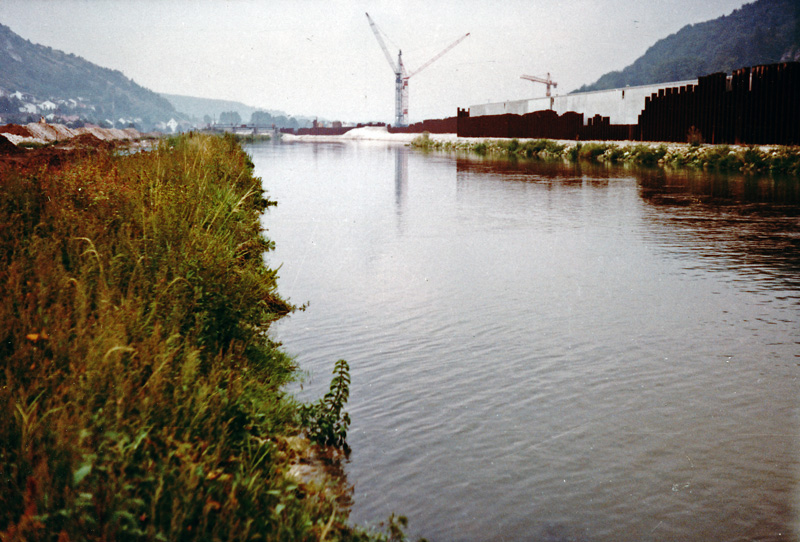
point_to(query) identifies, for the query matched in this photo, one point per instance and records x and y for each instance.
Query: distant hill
(199, 108)
(764, 32)
(97, 93)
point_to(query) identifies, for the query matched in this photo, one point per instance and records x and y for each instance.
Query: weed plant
(324, 421)
(591, 151)
(143, 398)
(423, 141)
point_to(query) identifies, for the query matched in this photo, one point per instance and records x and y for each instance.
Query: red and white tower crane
(402, 76)
(547, 81)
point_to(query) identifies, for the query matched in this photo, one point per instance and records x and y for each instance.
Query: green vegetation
(143, 397)
(35, 144)
(230, 117)
(693, 155)
(252, 138)
(324, 421)
(762, 32)
(209, 110)
(263, 118)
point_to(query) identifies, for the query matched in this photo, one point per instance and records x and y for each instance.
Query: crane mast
(401, 75)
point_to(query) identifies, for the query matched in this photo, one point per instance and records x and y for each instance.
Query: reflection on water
(400, 176)
(745, 222)
(548, 352)
(696, 186)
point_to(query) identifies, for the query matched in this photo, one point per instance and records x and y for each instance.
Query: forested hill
(764, 32)
(49, 74)
(208, 110)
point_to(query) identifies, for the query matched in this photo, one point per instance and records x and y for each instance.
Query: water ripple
(546, 353)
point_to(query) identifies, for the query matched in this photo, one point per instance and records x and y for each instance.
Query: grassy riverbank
(784, 160)
(142, 397)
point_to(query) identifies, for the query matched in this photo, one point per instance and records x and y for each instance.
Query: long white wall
(621, 105)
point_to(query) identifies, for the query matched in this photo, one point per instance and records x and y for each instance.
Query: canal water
(544, 352)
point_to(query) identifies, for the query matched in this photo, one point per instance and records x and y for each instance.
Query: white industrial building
(621, 105)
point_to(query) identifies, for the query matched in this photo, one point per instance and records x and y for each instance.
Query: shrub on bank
(143, 398)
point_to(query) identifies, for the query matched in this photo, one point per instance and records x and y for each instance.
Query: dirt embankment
(39, 144)
(44, 133)
(15, 129)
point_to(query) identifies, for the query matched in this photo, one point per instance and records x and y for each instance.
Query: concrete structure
(621, 105)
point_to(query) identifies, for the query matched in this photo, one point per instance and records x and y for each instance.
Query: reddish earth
(22, 160)
(64, 145)
(27, 161)
(90, 140)
(7, 147)
(15, 129)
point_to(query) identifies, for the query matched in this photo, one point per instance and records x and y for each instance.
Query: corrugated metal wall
(432, 126)
(543, 125)
(759, 105)
(754, 106)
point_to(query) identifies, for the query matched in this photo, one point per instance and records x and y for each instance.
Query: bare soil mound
(90, 140)
(15, 129)
(50, 132)
(7, 147)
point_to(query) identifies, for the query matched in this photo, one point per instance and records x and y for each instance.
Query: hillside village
(22, 108)
(17, 107)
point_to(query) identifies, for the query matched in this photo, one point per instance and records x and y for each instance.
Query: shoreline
(173, 384)
(380, 133)
(695, 155)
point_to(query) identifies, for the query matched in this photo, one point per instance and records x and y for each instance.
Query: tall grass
(142, 396)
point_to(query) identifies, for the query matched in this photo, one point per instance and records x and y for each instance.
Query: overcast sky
(320, 58)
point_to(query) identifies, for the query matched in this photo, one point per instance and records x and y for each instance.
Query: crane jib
(401, 76)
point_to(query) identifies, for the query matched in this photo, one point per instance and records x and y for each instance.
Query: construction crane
(401, 76)
(547, 81)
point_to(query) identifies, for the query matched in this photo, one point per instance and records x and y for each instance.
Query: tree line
(258, 118)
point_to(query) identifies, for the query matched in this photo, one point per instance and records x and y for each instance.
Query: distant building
(620, 105)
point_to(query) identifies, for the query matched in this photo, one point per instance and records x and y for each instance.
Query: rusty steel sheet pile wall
(323, 131)
(543, 125)
(758, 105)
(432, 126)
(600, 128)
(539, 124)
(327, 130)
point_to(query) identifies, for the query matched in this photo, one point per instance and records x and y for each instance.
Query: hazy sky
(319, 57)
